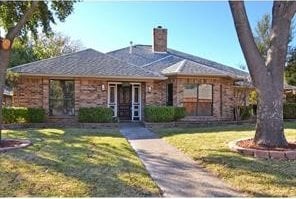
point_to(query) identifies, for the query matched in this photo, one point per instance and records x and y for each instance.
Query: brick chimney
(159, 39)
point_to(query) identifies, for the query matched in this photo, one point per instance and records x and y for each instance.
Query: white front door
(136, 102)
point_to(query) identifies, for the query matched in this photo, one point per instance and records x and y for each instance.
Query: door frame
(135, 106)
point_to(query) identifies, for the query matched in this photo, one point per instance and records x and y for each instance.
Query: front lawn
(75, 163)
(209, 146)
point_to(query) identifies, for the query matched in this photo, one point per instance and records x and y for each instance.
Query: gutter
(94, 76)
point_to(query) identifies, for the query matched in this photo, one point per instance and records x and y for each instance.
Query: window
(170, 95)
(205, 100)
(61, 97)
(198, 99)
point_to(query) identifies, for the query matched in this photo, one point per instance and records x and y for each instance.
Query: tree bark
(267, 76)
(5, 54)
(4, 57)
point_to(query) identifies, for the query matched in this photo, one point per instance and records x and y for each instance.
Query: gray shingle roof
(85, 63)
(188, 67)
(143, 56)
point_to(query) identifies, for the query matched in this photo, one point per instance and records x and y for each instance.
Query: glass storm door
(136, 102)
(112, 98)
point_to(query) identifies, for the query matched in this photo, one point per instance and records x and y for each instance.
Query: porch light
(149, 89)
(103, 87)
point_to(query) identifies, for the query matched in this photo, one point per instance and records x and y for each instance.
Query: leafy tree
(54, 45)
(267, 73)
(21, 53)
(290, 70)
(262, 34)
(43, 47)
(18, 18)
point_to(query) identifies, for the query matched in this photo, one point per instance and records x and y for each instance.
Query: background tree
(290, 70)
(42, 47)
(267, 73)
(18, 18)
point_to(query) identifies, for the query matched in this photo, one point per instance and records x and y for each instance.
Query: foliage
(12, 11)
(253, 97)
(54, 45)
(163, 113)
(14, 114)
(246, 112)
(180, 112)
(11, 79)
(21, 53)
(290, 70)
(262, 33)
(73, 163)
(36, 115)
(209, 147)
(289, 110)
(21, 114)
(43, 47)
(95, 115)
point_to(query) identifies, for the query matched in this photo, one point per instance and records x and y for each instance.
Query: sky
(201, 28)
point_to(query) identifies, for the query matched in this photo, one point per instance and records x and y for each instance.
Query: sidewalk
(176, 174)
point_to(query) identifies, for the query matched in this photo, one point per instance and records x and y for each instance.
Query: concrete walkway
(176, 174)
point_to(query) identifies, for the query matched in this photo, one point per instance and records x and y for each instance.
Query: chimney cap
(159, 26)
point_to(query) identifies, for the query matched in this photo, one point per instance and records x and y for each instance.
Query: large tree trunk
(4, 57)
(267, 76)
(270, 123)
(5, 54)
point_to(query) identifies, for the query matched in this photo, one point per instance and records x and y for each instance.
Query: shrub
(36, 115)
(163, 113)
(289, 110)
(180, 112)
(245, 112)
(95, 115)
(14, 114)
(21, 114)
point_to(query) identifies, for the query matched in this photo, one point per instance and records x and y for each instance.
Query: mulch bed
(10, 143)
(249, 144)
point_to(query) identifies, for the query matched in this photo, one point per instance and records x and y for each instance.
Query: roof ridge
(41, 60)
(125, 48)
(176, 53)
(181, 66)
(156, 61)
(145, 69)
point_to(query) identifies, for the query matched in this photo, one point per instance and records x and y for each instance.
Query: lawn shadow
(108, 169)
(280, 172)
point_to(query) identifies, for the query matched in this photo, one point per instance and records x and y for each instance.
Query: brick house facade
(127, 80)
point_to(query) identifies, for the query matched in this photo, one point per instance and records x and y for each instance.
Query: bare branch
(12, 33)
(252, 55)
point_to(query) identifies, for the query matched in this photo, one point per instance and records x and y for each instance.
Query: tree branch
(251, 53)
(291, 9)
(12, 33)
(279, 38)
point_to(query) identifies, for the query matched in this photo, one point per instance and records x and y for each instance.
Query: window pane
(112, 94)
(170, 95)
(205, 100)
(61, 97)
(190, 99)
(205, 91)
(136, 96)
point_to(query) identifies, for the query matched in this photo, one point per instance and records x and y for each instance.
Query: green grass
(209, 146)
(74, 163)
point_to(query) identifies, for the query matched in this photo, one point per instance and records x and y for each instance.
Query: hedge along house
(128, 79)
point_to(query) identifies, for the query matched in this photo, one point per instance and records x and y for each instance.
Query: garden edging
(262, 154)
